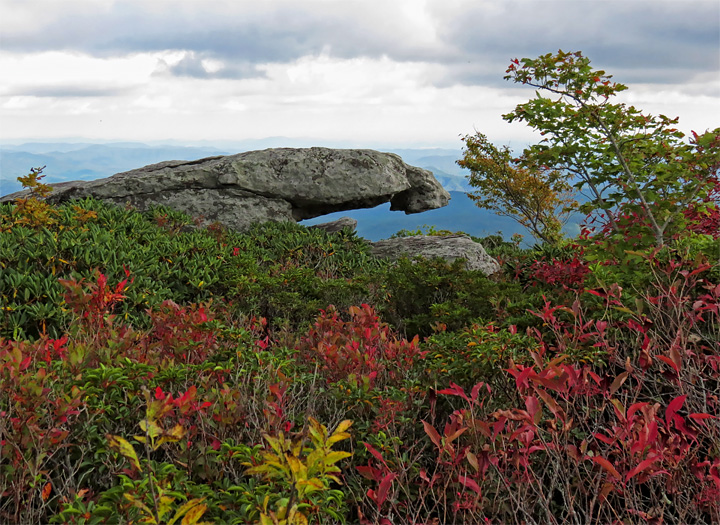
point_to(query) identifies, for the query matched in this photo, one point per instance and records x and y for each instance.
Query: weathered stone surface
(274, 184)
(338, 225)
(448, 247)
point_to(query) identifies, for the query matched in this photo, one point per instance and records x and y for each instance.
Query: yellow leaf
(176, 434)
(164, 506)
(309, 485)
(337, 436)
(335, 456)
(266, 520)
(187, 506)
(296, 518)
(343, 426)
(194, 514)
(151, 428)
(120, 444)
(297, 467)
(274, 443)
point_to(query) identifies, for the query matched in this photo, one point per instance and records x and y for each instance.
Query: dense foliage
(638, 173)
(155, 372)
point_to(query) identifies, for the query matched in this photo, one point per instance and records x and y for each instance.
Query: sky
(360, 73)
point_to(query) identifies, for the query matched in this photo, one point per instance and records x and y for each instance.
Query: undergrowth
(154, 372)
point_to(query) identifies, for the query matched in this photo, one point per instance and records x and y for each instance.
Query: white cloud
(392, 71)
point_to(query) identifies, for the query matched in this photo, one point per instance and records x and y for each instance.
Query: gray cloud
(191, 65)
(653, 41)
(63, 91)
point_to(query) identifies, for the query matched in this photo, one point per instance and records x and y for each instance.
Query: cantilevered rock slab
(280, 184)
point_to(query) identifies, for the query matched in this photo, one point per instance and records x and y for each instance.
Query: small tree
(537, 197)
(631, 163)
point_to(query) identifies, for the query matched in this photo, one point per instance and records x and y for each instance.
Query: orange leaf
(47, 489)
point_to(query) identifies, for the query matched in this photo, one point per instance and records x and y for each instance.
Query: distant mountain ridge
(66, 162)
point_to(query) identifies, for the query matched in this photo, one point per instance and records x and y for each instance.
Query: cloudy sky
(359, 72)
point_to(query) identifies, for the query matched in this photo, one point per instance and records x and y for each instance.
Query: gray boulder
(448, 247)
(282, 184)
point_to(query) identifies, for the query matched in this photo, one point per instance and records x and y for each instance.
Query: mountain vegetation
(152, 371)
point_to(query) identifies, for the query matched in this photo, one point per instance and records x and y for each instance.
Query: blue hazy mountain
(80, 161)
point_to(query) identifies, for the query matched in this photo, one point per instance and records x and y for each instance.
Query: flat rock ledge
(448, 247)
(343, 223)
(279, 184)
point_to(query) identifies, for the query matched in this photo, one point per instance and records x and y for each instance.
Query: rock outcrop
(281, 184)
(338, 225)
(448, 247)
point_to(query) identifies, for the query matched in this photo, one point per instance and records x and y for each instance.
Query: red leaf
(670, 362)
(533, 408)
(643, 466)
(675, 405)
(375, 453)
(521, 378)
(676, 357)
(455, 390)
(680, 425)
(434, 436)
(552, 404)
(604, 438)
(476, 390)
(604, 463)
(701, 416)
(469, 483)
(384, 487)
(370, 473)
